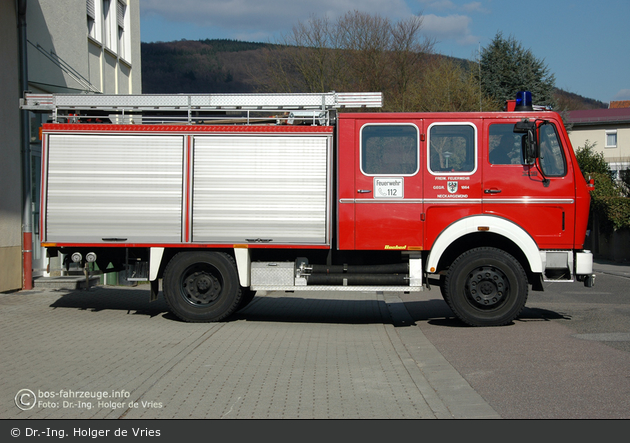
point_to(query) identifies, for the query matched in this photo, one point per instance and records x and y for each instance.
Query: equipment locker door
(540, 199)
(388, 186)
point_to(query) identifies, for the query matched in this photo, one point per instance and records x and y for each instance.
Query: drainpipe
(27, 228)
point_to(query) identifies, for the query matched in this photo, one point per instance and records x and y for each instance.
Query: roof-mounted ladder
(193, 107)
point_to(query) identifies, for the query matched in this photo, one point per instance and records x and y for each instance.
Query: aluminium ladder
(188, 106)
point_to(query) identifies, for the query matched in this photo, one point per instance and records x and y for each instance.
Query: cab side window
(504, 146)
(388, 149)
(452, 148)
(552, 159)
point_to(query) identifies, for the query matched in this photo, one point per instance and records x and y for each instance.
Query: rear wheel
(202, 286)
(486, 287)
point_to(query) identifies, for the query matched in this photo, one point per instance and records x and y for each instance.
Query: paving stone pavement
(108, 353)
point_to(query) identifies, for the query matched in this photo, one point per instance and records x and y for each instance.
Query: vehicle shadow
(304, 309)
(437, 312)
(101, 298)
(288, 308)
(282, 308)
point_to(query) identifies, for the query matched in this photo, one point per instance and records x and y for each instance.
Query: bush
(592, 162)
(605, 186)
(608, 201)
(617, 211)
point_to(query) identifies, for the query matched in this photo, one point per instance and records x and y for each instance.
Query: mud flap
(155, 289)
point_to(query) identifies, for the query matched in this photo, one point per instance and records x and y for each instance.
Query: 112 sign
(389, 187)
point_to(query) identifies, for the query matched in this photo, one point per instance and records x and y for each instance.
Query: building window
(94, 19)
(109, 26)
(611, 139)
(121, 12)
(91, 18)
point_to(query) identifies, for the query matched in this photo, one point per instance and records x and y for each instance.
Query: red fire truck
(220, 196)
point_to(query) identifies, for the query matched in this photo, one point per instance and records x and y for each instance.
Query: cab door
(452, 175)
(388, 185)
(539, 197)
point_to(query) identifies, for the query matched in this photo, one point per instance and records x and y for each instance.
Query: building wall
(10, 166)
(62, 57)
(69, 51)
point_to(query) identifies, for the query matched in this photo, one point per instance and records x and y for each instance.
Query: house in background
(609, 131)
(71, 46)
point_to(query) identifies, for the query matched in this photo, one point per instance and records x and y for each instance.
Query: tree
(506, 68)
(448, 86)
(408, 56)
(358, 52)
(307, 59)
(366, 41)
(371, 53)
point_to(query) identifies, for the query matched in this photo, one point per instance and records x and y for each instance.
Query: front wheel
(486, 287)
(202, 286)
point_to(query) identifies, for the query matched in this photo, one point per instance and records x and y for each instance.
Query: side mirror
(529, 144)
(530, 151)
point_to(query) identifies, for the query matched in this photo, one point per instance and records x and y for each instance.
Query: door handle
(363, 191)
(492, 191)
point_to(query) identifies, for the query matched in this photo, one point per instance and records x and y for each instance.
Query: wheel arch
(484, 230)
(165, 255)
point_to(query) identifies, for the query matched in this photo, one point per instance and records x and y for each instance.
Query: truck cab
(500, 189)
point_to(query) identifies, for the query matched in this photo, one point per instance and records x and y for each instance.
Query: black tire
(443, 288)
(202, 286)
(486, 287)
(246, 298)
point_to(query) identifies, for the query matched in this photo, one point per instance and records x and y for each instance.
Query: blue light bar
(524, 101)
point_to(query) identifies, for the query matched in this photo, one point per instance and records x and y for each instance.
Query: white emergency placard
(389, 187)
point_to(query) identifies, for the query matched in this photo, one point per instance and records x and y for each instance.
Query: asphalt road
(567, 356)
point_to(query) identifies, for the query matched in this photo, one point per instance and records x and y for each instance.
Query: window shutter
(90, 9)
(121, 14)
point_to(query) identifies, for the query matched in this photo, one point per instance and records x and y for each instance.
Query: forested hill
(203, 66)
(216, 66)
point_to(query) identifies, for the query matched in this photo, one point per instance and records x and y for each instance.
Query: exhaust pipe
(397, 268)
(358, 279)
